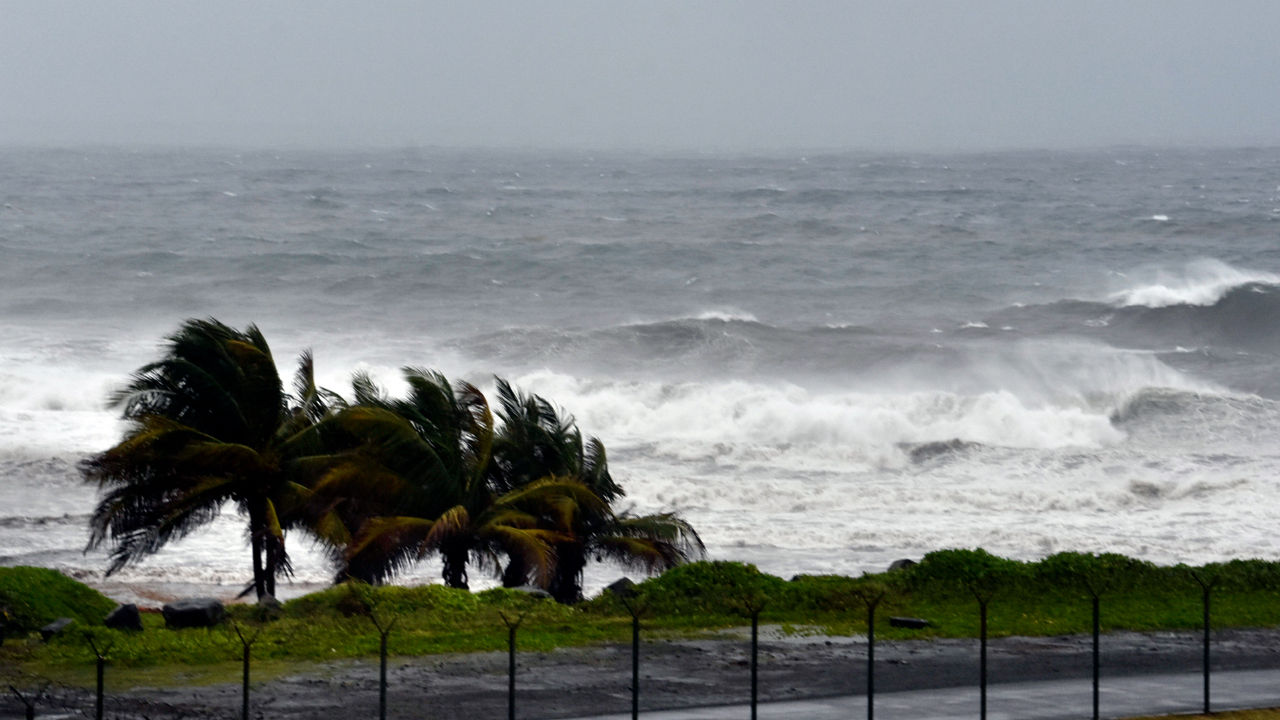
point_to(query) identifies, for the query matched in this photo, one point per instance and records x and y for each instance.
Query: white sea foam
(1201, 282)
(800, 450)
(726, 315)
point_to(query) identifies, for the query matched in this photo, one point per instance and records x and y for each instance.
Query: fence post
(635, 607)
(982, 657)
(755, 657)
(30, 702)
(512, 624)
(871, 598)
(101, 656)
(1206, 587)
(753, 605)
(245, 645)
(982, 592)
(382, 677)
(384, 629)
(511, 672)
(1097, 661)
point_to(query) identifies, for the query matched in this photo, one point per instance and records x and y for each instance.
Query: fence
(31, 698)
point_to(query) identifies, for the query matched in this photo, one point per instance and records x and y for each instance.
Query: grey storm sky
(656, 74)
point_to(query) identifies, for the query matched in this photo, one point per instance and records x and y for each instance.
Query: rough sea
(824, 362)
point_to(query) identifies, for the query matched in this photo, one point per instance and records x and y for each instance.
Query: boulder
(124, 617)
(902, 564)
(533, 591)
(193, 612)
(48, 631)
(269, 608)
(623, 588)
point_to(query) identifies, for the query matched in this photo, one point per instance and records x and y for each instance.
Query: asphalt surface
(1043, 700)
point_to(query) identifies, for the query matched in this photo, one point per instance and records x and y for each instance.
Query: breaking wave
(1201, 283)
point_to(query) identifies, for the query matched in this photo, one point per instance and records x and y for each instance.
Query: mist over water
(825, 363)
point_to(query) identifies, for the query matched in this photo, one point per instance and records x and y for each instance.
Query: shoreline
(584, 681)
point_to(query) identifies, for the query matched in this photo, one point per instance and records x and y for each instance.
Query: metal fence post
(244, 700)
(1206, 587)
(1096, 656)
(512, 626)
(635, 666)
(101, 657)
(511, 672)
(871, 597)
(246, 644)
(755, 653)
(382, 677)
(635, 605)
(982, 656)
(1205, 600)
(29, 702)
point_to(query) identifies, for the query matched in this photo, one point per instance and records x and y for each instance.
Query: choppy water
(824, 362)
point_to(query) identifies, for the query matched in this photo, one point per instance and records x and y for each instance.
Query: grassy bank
(1048, 597)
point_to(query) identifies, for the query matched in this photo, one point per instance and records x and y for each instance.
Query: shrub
(715, 588)
(963, 571)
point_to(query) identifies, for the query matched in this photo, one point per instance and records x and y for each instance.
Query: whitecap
(726, 316)
(1200, 282)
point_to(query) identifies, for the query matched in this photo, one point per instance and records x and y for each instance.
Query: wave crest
(1201, 283)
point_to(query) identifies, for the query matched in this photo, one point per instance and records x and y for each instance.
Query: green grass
(1048, 597)
(31, 598)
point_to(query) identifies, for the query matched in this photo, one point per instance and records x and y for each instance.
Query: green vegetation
(34, 597)
(209, 423)
(381, 482)
(1048, 597)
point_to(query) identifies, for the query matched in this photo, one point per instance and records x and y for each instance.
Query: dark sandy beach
(676, 673)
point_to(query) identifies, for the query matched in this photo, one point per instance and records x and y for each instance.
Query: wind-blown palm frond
(209, 423)
(422, 457)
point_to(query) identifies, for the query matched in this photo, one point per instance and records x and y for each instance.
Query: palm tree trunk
(566, 581)
(272, 569)
(255, 542)
(258, 545)
(455, 566)
(516, 573)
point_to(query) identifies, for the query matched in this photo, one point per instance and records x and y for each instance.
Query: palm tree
(537, 442)
(414, 482)
(210, 422)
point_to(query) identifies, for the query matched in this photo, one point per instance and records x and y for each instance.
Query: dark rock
(930, 450)
(908, 622)
(623, 588)
(902, 564)
(124, 617)
(193, 612)
(55, 627)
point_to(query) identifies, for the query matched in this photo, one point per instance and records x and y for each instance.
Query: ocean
(824, 362)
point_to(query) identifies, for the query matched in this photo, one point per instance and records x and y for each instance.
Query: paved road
(1045, 700)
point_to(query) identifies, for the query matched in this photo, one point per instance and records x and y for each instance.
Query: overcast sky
(655, 74)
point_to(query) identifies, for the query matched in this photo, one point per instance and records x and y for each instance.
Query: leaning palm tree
(414, 481)
(536, 442)
(210, 422)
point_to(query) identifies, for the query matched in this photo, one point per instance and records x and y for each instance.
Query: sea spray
(776, 348)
